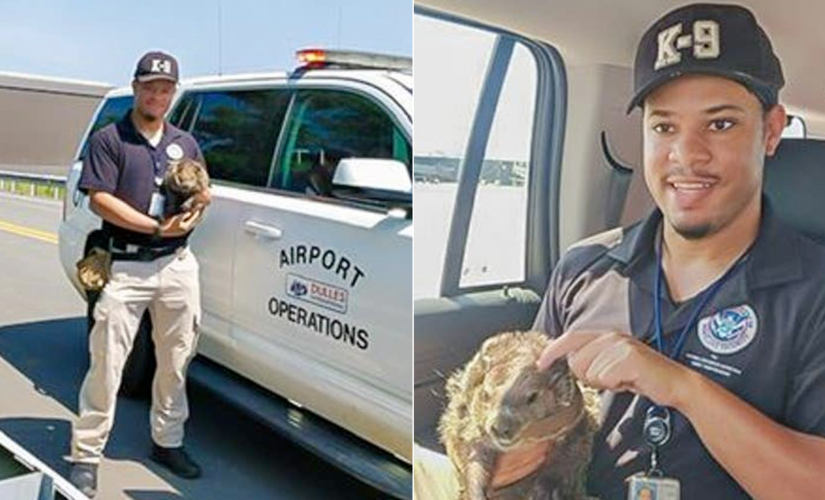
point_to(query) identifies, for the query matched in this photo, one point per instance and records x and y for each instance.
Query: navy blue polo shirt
(121, 161)
(762, 336)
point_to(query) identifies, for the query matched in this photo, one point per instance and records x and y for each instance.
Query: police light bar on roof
(352, 59)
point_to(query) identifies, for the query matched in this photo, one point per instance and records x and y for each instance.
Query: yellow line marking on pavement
(28, 232)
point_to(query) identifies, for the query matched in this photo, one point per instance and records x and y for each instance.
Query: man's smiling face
(705, 139)
(153, 98)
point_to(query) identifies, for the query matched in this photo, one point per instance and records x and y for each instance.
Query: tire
(139, 369)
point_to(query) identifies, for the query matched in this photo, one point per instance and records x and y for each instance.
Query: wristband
(156, 235)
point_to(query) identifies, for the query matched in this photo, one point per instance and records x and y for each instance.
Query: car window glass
(237, 132)
(326, 126)
(500, 208)
(451, 89)
(113, 110)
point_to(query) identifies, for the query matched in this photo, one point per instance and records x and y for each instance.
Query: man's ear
(775, 120)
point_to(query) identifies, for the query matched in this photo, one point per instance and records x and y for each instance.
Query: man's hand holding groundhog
(202, 198)
(514, 465)
(181, 223)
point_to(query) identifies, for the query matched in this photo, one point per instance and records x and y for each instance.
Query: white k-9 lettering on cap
(704, 41)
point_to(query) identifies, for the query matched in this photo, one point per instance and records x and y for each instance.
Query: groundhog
(500, 402)
(181, 184)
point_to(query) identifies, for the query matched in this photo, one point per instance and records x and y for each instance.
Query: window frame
(191, 105)
(546, 149)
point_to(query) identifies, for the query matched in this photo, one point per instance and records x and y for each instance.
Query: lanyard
(706, 296)
(657, 428)
(157, 162)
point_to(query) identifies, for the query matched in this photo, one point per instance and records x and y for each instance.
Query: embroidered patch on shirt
(729, 330)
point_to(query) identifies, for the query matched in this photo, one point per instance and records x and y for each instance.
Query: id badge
(156, 205)
(652, 488)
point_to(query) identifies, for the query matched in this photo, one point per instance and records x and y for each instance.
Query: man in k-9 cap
(152, 269)
(714, 350)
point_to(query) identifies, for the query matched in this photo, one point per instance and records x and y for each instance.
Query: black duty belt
(129, 251)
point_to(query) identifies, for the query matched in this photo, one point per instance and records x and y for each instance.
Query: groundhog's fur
(182, 181)
(500, 402)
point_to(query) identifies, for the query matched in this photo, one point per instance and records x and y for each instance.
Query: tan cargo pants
(434, 476)
(169, 288)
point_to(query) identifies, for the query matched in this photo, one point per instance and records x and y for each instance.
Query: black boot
(84, 478)
(176, 460)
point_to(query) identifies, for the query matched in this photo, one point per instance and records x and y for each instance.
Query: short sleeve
(805, 404)
(100, 166)
(548, 319)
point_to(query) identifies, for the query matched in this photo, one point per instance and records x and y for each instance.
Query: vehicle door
(323, 284)
(237, 129)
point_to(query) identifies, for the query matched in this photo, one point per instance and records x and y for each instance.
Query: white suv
(306, 251)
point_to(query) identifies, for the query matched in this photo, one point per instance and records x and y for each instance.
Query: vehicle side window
(112, 111)
(446, 141)
(326, 126)
(237, 131)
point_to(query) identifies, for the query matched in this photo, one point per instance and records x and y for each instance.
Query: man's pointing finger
(564, 345)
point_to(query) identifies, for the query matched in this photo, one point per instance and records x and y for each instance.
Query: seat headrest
(795, 185)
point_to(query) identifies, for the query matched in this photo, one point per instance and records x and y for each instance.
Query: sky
(101, 40)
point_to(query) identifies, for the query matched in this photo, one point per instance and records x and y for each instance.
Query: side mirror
(375, 180)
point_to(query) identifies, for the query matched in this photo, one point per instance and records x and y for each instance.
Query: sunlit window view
(447, 103)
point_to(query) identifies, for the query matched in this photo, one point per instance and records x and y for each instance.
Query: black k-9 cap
(721, 40)
(156, 66)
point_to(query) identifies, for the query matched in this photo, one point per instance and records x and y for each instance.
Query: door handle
(258, 229)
